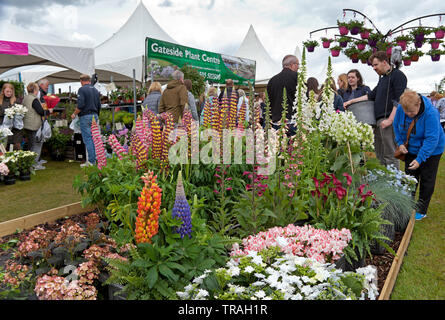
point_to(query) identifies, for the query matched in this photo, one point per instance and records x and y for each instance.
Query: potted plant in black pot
(355, 26)
(25, 161)
(58, 143)
(435, 54)
(10, 160)
(343, 41)
(310, 45)
(419, 34)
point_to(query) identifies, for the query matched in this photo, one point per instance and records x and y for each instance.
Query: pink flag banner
(13, 48)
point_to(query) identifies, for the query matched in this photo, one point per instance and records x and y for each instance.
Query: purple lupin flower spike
(181, 210)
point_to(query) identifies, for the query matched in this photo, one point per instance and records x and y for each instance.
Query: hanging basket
(343, 30)
(418, 44)
(355, 30)
(402, 44)
(419, 37)
(343, 44)
(335, 53)
(435, 57)
(310, 49)
(415, 58)
(372, 42)
(439, 34)
(435, 44)
(326, 44)
(361, 46)
(354, 60)
(364, 34)
(406, 63)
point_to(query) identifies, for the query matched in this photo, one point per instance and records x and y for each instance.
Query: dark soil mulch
(382, 262)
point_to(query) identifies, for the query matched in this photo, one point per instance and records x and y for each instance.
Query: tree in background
(198, 83)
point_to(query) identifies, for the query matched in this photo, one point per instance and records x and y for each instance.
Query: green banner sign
(164, 57)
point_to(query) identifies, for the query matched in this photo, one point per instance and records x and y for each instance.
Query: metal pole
(134, 95)
(112, 110)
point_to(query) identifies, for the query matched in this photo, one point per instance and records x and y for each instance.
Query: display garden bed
(387, 264)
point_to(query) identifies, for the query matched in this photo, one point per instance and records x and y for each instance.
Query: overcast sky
(221, 25)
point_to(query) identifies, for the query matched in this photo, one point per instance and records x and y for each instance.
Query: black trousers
(426, 178)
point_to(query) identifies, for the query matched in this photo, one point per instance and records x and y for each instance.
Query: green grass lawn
(421, 277)
(47, 189)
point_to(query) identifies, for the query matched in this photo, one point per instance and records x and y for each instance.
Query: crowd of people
(33, 119)
(406, 122)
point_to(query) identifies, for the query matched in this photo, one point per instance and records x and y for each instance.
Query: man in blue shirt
(88, 106)
(386, 95)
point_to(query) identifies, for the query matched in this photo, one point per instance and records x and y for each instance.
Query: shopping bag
(18, 121)
(75, 125)
(44, 132)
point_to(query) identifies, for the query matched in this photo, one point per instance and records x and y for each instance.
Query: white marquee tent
(252, 48)
(125, 50)
(20, 47)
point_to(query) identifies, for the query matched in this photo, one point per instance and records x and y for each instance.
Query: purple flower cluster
(181, 210)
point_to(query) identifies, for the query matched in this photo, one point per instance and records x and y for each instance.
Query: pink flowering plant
(305, 241)
(337, 204)
(60, 264)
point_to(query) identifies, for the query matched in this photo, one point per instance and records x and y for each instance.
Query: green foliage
(114, 190)
(311, 43)
(198, 83)
(157, 270)
(58, 141)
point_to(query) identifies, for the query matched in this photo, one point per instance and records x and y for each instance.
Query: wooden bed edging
(32, 220)
(397, 262)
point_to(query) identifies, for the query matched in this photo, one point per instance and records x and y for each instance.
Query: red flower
(317, 183)
(361, 188)
(336, 182)
(341, 192)
(326, 180)
(348, 178)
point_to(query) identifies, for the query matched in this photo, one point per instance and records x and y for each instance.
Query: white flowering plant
(272, 275)
(10, 160)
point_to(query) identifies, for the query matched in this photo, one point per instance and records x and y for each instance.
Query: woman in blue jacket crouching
(425, 146)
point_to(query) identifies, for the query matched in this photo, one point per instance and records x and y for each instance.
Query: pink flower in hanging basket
(402, 44)
(343, 30)
(364, 34)
(439, 34)
(335, 53)
(435, 44)
(361, 46)
(406, 62)
(326, 44)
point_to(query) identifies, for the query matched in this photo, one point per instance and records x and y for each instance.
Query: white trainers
(39, 167)
(86, 164)
(42, 161)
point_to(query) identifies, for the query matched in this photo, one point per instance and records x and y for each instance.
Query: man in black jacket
(287, 78)
(88, 106)
(392, 83)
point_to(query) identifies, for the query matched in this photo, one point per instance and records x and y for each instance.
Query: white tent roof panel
(252, 48)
